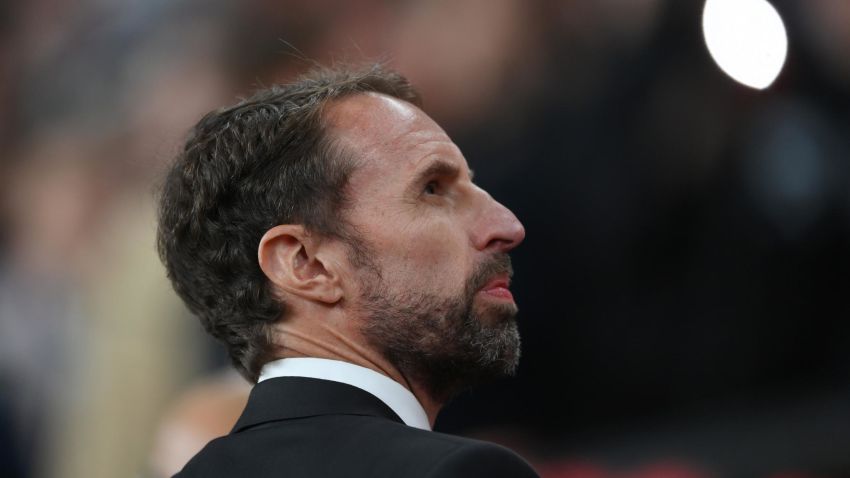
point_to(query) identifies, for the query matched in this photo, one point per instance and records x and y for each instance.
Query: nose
(496, 228)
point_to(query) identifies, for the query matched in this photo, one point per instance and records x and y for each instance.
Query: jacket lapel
(285, 398)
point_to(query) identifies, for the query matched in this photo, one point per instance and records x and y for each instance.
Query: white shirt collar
(387, 390)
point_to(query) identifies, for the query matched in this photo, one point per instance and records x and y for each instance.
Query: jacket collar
(285, 398)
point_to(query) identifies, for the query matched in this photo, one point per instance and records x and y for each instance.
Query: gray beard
(445, 345)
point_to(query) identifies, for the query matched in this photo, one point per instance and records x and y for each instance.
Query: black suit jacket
(301, 427)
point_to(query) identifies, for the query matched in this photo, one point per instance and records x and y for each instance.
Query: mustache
(484, 272)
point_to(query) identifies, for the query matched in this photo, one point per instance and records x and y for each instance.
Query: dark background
(683, 284)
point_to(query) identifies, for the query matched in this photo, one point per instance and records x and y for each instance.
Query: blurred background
(683, 286)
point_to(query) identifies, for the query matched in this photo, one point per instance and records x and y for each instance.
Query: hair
(265, 161)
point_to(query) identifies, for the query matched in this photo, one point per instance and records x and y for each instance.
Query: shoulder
(441, 455)
(352, 446)
(473, 458)
(215, 459)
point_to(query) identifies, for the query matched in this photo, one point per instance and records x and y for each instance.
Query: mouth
(498, 287)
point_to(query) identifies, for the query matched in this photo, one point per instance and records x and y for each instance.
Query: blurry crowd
(683, 288)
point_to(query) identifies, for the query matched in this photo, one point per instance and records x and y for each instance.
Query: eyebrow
(439, 168)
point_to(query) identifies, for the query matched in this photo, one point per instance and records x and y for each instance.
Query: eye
(432, 187)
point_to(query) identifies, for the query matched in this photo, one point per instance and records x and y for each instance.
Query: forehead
(388, 133)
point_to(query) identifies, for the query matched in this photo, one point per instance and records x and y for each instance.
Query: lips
(498, 287)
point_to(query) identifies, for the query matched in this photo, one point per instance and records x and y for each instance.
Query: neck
(327, 342)
(432, 407)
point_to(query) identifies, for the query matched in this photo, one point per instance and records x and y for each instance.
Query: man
(330, 234)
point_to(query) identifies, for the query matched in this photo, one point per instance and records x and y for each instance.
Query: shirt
(393, 394)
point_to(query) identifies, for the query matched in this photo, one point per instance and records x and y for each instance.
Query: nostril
(509, 240)
(504, 245)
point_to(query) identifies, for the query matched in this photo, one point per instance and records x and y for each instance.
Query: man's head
(338, 197)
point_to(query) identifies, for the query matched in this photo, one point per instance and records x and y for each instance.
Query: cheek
(433, 256)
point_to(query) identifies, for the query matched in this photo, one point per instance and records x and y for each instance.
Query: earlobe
(291, 259)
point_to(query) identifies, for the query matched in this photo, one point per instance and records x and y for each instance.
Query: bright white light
(746, 38)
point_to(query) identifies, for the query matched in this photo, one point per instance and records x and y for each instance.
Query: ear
(293, 261)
